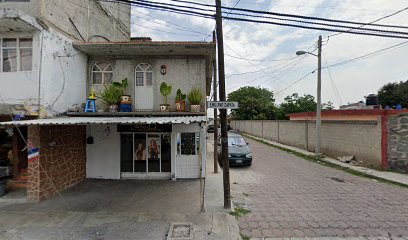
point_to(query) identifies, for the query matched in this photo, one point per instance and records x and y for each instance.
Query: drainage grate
(180, 231)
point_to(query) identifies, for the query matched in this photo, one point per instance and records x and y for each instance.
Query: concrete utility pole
(215, 111)
(319, 96)
(223, 112)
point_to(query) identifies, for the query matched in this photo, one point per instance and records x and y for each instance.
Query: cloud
(255, 41)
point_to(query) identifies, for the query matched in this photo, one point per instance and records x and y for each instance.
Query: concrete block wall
(361, 139)
(398, 143)
(62, 160)
(293, 134)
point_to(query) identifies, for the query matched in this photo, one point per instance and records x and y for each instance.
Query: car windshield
(236, 141)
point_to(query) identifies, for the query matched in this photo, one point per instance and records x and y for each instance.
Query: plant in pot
(180, 101)
(165, 90)
(111, 96)
(195, 97)
(125, 100)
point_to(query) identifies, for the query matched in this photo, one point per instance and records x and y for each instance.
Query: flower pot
(181, 106)
(113, 108)
(195, 108)
(164, 107)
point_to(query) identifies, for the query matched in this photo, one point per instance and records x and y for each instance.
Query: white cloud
(261, 41)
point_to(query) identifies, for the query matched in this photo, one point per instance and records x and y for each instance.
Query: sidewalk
(122, 209)
(384, 175)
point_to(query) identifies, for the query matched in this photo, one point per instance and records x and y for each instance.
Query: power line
(276, 70)
(379, 19)
(288, 15)
(333, 84)
(317, 23)
(261, 60)
(367, 55)
(374, 32)
(300, 79)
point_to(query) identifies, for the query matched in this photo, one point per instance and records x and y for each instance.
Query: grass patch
(239, 212)
(245, 194)
(244, 237)
(321, 161)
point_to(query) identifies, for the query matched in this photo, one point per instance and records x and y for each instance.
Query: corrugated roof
(107, 120)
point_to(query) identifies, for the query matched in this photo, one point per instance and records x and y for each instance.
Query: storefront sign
(145, 128)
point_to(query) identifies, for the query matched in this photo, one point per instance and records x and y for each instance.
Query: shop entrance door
(146, 155)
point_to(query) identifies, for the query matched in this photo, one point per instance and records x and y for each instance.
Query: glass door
(144, 153)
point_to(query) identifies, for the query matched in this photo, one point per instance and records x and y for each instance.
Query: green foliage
(255, 103)
(111, 94)
(195, 97)
(392, 94)
(180, 96)
(295, 104)
(239, 212)
(165, 90)
(121, 85)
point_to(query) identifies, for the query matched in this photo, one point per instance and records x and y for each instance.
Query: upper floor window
(16, 54)
(144, 75)
(102, 73)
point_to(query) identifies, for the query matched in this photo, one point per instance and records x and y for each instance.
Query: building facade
(54, 55)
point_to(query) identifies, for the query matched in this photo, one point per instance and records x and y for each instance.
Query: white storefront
(140, 147)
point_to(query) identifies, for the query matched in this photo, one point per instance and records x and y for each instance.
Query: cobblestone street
(290, 197)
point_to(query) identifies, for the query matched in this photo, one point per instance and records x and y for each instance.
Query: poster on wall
(140, 147)
(153, 141)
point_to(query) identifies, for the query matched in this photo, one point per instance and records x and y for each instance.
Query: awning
(107, 120)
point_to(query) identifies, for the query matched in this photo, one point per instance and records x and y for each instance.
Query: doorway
(146, 155)
(143, 87)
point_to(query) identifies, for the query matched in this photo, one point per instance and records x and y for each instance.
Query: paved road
(291, 197)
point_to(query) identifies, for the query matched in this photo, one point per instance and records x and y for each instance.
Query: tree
(392, 94)
(295, 104)
(255, 103)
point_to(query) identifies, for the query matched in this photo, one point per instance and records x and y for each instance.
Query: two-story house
(145, 143)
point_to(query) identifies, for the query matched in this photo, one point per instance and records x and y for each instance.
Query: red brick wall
(62, 161)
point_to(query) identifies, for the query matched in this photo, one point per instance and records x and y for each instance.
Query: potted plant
(195, 97)
(111, 96)
(165, 90)
(125, 100)
(180, 101)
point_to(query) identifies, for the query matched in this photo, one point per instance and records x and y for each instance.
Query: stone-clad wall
(62, 160)
(339, 138)
(398, 143)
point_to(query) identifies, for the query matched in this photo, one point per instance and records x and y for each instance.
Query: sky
(263, 55)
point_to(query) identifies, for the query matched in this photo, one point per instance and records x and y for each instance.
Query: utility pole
(319, 96)
(215, 111)
(223, 112)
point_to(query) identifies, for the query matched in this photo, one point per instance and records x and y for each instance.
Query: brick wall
(398, 143)
(339, 138)
(62, 160)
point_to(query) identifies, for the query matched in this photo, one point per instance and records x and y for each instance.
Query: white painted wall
(63, 73)
(22, 87)
(103, 156)
(58, 76)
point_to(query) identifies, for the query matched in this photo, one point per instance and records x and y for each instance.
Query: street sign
(223, 105)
